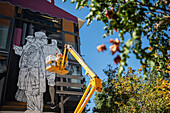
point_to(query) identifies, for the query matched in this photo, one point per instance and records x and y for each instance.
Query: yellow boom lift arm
(58, 65)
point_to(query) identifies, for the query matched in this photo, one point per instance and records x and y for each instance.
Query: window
(70, 39)
(4, 28)
(3, 67)
(73, 70)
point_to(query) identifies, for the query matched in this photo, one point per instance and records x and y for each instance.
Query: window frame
(9, 35)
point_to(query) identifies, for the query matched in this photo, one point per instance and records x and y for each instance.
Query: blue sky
(90, 38)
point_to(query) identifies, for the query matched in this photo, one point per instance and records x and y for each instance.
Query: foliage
(146, 21)
(131, 93)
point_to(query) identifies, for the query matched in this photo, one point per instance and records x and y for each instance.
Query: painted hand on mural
(18, 49)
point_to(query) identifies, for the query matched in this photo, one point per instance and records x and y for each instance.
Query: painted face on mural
(54, 42)
(30, 39)
(44, 40)
(41, 37)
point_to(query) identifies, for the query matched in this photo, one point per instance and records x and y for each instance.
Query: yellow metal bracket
(95, 83)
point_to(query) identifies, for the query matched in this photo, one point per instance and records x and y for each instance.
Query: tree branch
(167, 20)
(139, 3)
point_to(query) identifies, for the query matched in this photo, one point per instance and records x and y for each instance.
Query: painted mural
(32, 75)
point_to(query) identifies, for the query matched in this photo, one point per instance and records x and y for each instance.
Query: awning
(80, 22)
(44, 7)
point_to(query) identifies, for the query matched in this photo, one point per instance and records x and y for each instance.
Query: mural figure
(31, 79)
(49, 49)
(20, 94)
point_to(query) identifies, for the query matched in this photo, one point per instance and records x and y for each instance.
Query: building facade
(18, 20)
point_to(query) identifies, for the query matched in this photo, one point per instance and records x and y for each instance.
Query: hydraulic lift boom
(60, 68)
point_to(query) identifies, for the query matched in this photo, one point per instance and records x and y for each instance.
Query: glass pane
(70, 39)
(4, 25)
(76, 43)
(3, 67)
(74, 70)
(75, 81)
(70, 56)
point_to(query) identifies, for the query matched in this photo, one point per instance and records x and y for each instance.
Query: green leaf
(136, 33)
(105, 35)
(120, 70)
(77, 5)
(72, 1)
(63, 1)
(152, 63)
(129, 43)
(143, 1)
